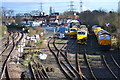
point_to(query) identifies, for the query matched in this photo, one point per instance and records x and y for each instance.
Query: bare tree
(19, 18)
(3, 10)
(27, 14)
(68, 14)
(10, 12)
(35, 13)
(19, 14)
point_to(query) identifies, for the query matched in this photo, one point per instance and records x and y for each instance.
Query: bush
(31, 32)
(4, 30)
(116, 45)
(34, 30)
(15, 26)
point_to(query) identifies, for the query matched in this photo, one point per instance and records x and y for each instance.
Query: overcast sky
(60, 5)
(59, 0)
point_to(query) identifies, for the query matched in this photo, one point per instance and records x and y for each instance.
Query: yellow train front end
(73, 32)
(104, 41)
(82, 26)
(82, 37)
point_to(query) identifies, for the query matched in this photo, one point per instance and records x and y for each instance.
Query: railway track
(96, 71)
(68, 76)
(77, 70)
(116, 63)
(67, 46)
(37, 71)
(69, 71)
(111, 65)
(89, 67)
(6, 54)
(6, 44)
(4, 65)
(84, 58)
(4, 39)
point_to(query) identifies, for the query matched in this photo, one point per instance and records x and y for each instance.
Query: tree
(111, 18)
(10, 12)
(19, 18)
(3, 14)
(68, 14)
(4, 30)
(31, 32)
(27, 14)
(19, 14)
(4, 11)
(35, 13)
(91, 18)
(85, 17)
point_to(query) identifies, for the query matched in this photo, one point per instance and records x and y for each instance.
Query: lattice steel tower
(81, 3)
(41, 7)
(71, 6)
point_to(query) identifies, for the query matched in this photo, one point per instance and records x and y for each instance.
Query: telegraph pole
(81, 3)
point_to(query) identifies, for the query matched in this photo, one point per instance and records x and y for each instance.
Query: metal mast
(71, 6)
(81, 3)
(50, 11)
(41, 7)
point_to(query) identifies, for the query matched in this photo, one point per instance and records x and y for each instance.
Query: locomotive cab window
(81, 33)
(101, 37)
(108, 38)
(95, 29)
(72, 30)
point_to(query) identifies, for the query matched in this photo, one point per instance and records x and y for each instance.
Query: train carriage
(61, 31)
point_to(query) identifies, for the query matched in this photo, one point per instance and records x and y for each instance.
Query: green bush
(17, 26)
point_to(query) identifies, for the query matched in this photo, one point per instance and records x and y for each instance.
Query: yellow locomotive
(96, 29)
(82, 26)
(82, 36)
(73, 32)
(104, 39)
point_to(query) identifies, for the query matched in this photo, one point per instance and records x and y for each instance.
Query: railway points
(75, 56)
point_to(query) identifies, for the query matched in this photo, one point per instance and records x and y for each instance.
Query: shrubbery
(34, 30)
(4, 30)
(15, 26)
(101, 17)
